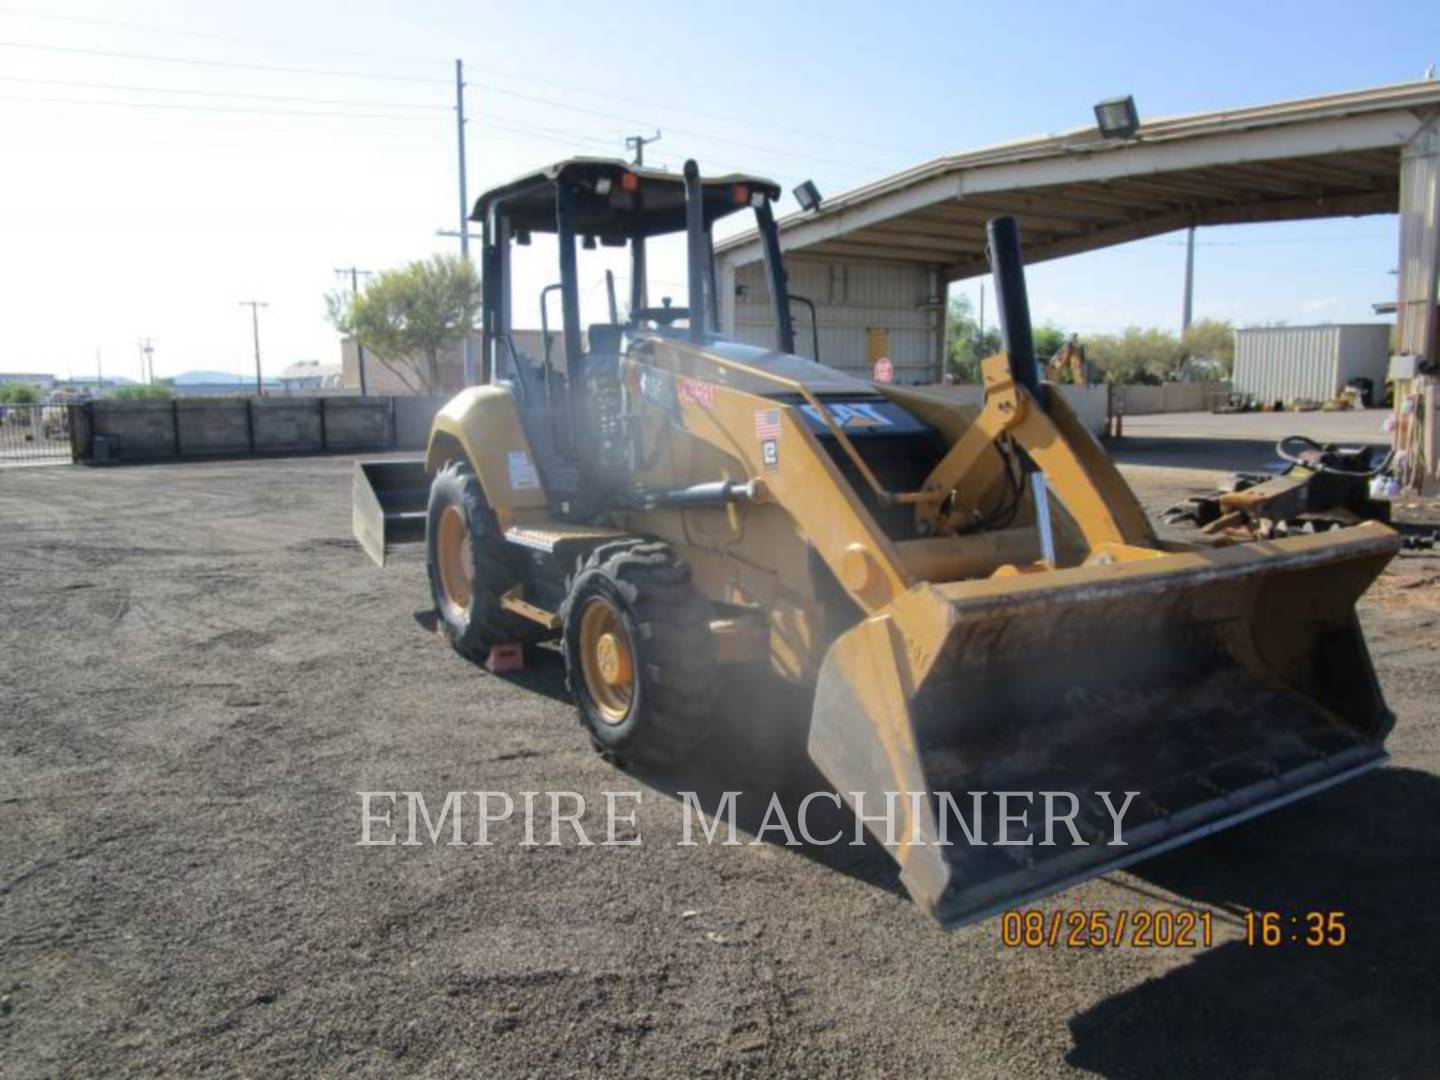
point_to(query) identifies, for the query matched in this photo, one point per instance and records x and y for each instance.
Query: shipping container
(1288, 363)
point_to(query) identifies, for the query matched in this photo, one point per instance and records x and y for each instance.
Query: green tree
(407, 316)
(159, 391)
(19, 393)
(1210, 339)
(1049, 340)
(1138, 355)
(965, 345)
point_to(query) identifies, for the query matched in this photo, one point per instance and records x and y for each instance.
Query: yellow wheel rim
(607, 660)
(452, 553)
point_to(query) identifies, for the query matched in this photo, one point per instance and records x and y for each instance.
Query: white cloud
(1320, 305)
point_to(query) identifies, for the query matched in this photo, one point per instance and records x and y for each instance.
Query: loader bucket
(389, 499)
(1216, 685)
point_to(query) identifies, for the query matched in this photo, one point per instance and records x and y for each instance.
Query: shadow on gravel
(758, 749)
(1228, 455)
(1370, 1007)
(544, 671)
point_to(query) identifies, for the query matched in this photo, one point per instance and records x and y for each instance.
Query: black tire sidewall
(611, 737)
(446, 490)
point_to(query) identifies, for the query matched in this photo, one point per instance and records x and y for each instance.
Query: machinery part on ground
(1331, 459)
(1420, 539)
(471, 567)
(976, 596)
(639, 657)
(388, 500)
(1325, 487)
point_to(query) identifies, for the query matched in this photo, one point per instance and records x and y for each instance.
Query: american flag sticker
(767, 424)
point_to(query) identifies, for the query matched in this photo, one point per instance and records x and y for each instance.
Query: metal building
(857, 312)
(1286, 363)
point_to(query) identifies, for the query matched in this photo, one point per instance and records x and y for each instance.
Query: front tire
(470, 566)
(639, 656)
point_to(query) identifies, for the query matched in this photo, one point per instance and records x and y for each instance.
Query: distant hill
(89, 380)
(215, 378)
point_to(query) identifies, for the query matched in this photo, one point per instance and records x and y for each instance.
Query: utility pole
(147, 361)
(464, 203)
(255, 306)
(638, 144)
(638, 272)
(1185, 310)
(99, 374)
(355, 274)
(980, 346)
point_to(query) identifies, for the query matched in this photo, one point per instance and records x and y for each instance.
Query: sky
(165, 161)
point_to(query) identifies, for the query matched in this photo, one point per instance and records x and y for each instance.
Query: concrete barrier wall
(1090, 403)
(219, 426)
(1170, 397)
(138, 429)
(413, 416)
(216, 427)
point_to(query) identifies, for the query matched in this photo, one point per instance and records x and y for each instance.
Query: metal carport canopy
(1331, 156)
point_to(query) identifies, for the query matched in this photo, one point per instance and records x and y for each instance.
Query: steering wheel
(665, 316)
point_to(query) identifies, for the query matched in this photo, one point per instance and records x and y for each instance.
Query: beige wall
(380, 379)
(1170, 397)
(1088, 402)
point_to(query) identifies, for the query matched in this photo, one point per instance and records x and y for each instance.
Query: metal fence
(36, 434)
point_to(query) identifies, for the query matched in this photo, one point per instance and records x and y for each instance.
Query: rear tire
(639, 657)
(470, 566)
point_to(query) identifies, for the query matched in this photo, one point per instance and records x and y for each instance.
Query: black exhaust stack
(695, 246)
(1008, 267)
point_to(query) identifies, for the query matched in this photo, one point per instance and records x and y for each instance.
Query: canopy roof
(1328, 156)
(651, 204)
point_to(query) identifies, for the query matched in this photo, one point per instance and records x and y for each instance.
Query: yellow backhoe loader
(975, 594)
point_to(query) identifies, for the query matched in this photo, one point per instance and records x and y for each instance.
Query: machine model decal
(862, 418)
(523, 475)
(850, 415)
(697, 392)
(770, 454)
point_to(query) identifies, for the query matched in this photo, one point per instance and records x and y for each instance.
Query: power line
(535, 99)
(220, 93)
(1278, 241)
(210, 36)
(631, 121)
(245, 110)
(746, 121)
(234, 64)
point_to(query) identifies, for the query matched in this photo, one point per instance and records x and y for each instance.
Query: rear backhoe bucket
(1216, 685)
(389, 501)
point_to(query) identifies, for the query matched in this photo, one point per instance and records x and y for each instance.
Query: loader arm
(1078, 470)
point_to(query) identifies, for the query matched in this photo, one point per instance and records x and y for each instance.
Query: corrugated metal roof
(1076, 191)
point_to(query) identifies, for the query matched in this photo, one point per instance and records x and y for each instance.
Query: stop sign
(884, 370)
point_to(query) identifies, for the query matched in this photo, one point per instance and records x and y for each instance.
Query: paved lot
(201, 670)
(1239, 441)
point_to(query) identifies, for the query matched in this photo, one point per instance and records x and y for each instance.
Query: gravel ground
(201, 670)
